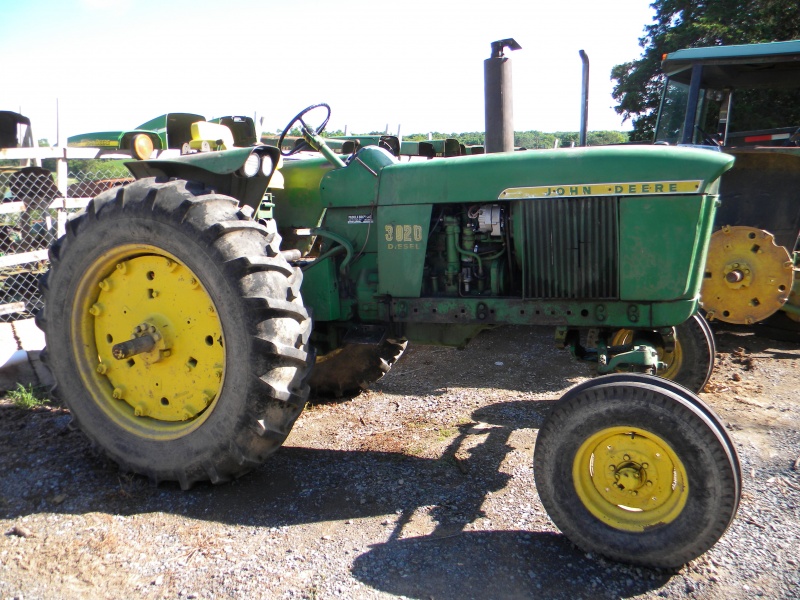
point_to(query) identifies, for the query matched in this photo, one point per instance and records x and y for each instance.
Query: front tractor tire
(638, 469)
(175, 332)
(689, 361)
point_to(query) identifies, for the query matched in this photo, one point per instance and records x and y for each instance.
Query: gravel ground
(421, 487)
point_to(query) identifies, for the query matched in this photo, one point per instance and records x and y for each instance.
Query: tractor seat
(219, 137)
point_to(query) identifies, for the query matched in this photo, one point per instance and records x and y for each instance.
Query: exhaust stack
(498, 98)
(584, 98)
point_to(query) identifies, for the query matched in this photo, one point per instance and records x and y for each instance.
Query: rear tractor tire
(351, 369)
(175, 332)
(637, 469)
(691, 361)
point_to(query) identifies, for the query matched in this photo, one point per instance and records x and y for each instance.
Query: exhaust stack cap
(500, 45)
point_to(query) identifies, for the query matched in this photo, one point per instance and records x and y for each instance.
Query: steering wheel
(299, 117)
(709, 139)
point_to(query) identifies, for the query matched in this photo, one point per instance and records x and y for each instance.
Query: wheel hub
(629, 476)
(146, 341)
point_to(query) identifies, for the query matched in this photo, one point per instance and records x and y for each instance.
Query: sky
(79, 66)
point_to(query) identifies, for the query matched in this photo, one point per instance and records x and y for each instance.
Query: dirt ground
(420, 487)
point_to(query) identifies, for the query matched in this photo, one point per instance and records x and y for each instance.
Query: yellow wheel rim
(630, 479)
(672, 358)
(169, 389)
(747, 278)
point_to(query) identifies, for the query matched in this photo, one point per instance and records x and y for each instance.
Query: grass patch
(445, 433)
(28, 397)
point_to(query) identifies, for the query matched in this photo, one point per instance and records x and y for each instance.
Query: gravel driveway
(421, 487)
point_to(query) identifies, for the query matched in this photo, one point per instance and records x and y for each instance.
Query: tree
(692, 24)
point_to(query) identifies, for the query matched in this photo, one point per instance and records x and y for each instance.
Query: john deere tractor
(178, 313)
(745, 101)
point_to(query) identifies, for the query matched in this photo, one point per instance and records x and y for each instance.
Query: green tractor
(178, 313)
(745, 101)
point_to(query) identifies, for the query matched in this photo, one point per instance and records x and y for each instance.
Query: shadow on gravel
(754, 340)
(498, 564)
(49, 468)
(304, 485)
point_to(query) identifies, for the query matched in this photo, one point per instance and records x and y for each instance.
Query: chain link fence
(35, 205)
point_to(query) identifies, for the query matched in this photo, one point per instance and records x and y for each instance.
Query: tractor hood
(600, 171)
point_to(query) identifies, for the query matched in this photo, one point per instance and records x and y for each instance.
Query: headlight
(141, 146)
(251, 165)
(266, 165)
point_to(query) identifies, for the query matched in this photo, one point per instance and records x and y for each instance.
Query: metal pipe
(584, 98)
(339, 239)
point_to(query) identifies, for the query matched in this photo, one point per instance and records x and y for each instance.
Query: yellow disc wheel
(630, 478)
(747, 276)
(689, 358)
(167, 383)
(638, 469)
(176, 332)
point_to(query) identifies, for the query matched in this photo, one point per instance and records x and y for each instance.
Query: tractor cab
(744, 101)
(732, 96)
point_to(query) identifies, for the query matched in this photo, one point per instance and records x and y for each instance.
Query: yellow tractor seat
(210, 136)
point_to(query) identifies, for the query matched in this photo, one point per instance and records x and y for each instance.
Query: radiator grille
(569, 248)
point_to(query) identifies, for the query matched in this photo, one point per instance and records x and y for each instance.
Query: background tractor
(745, 101)
(178, 313)
(164, 133)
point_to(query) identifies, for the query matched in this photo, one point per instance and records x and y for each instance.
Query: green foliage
(605, 138)
(531, 140)
(691, 24)
(95, 168)
(27, 397)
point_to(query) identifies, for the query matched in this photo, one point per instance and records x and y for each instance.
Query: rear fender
(220, 171)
